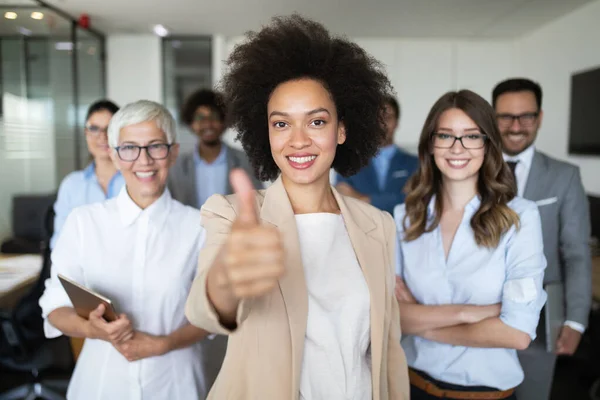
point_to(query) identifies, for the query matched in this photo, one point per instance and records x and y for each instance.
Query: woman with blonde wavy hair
(470, 259)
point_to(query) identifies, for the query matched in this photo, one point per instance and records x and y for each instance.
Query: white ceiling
(356, 18)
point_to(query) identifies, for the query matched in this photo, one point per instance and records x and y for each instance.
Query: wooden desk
(9, 296)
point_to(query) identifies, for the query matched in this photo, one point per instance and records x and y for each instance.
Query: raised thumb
(244, 191)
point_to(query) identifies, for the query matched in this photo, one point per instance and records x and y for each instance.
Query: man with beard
(199, 174)
(382, 181)
(557, 189)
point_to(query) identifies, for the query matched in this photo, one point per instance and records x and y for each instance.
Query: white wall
(550, 55)
(134, 68)
(423, 70)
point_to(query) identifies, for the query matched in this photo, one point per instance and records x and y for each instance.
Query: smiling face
(457, 163)
(208, 126)
(304, 131)
(96, 138)
(145, 177)
(519, 120)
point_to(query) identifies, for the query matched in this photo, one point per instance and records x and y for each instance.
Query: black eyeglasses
(469, 142)
(131, 152)
(95, 129)
(525, 119)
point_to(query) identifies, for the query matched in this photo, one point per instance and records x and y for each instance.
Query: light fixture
(37, 15)
(160, 30)
(10, 15)
(63, 46)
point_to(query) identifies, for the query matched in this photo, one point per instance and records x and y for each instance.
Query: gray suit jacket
(557, 189)
(182, 176)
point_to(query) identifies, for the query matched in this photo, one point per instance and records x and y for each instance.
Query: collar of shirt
(129, 212)
(525, 157)
(221, 158)
(386, 152)
(470, 209)
(90, 171)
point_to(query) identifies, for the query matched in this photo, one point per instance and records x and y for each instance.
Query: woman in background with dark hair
(299, 276)
(98, 181)
(470, 259)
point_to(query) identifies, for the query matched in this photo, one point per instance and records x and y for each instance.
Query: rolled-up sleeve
(523, 295)
(66, 260)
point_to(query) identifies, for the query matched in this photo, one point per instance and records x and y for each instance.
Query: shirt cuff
(576, 326)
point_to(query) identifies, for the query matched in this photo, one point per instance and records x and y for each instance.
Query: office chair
(28, 213)
(23, 346)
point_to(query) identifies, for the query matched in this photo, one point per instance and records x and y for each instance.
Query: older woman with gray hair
(139, 249)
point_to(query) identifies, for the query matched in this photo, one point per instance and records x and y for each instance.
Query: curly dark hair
(202, 97)
(292, 48)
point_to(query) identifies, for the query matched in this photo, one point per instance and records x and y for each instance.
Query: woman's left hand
(403, 294)
(143, 345)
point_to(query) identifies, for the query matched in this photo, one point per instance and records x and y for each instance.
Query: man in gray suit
(199, 174)
(557, 189)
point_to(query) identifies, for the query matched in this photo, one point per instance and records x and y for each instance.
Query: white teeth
(145, 174)
(458, 163)
(302, 160)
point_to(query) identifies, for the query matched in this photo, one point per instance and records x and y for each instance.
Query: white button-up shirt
(144, 261)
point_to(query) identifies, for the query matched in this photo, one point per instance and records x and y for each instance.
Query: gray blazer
(182, 176)
(564, 210)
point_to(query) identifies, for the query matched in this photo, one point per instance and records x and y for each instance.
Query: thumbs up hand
(252, 259)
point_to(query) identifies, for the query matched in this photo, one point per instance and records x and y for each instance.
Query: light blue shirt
(211, 178)
(80, 188)
(382, 161)
(511, 274)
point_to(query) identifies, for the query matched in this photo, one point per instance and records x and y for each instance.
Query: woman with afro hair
(299, 276)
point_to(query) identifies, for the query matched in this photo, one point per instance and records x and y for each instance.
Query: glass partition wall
(50, 72)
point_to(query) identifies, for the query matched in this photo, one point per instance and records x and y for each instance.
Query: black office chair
(28, 213)
(23, 346)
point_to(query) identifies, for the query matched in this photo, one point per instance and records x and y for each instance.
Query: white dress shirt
(336, 362)
(144, 261)
(524, 161)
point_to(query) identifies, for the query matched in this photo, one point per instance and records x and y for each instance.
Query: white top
(337, 355)
(144, 261)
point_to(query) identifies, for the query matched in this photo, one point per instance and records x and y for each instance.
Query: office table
(16, 279)
(12, 292)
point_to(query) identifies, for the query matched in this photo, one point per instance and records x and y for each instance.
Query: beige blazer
(264, 354)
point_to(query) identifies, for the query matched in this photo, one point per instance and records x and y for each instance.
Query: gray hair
(138, 112)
